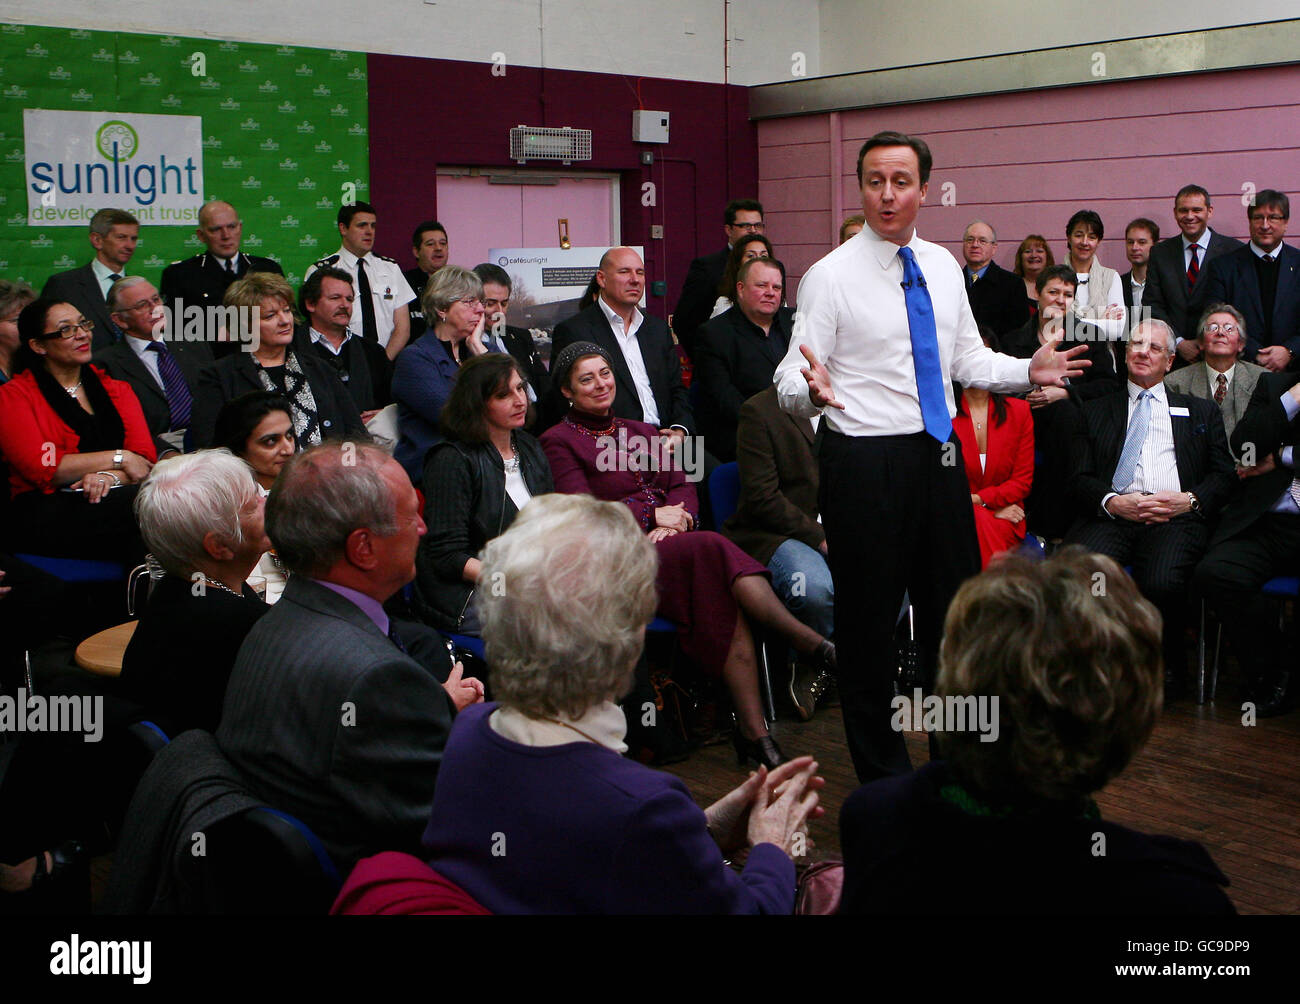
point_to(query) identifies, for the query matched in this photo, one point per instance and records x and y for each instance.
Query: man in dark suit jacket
(997, 297)
(737, 353)
(430, 246)
(1262, 280)
(1170, 293)
(700, 290)
(1257, 539)
(325, 299)
(113, 235)
(1148, 476)
(162, 369)
(202, 281)
(518, 342)
(647, 369)
(326, 715)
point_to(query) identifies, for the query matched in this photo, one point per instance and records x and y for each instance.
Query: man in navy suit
(1174, 270)
(1262, 280)
(113, 235)
(741, 218)
(1151, 468)
(647, 369)
(997, 297)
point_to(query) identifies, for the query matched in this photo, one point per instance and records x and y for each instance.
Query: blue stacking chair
(1283, 587)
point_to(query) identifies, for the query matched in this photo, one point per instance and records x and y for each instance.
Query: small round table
(102, 653)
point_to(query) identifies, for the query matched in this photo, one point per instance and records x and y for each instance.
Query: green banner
(285, 137)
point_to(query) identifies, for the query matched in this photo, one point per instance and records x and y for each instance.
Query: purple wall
(426, 112)
(1025, 162)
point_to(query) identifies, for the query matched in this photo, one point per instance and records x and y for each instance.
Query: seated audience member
(322, 408)
(75, 441)
(326, 715)
(776, 523)
(746, 249)
(995, 295)
(736, 353)
(852, 226)
(1032, 257)
(257, 427)
(363, 366)
(997, 446)
(590, 831)
(201, 518)
(476, 481)
(741, 218)
(1049, 508)
(1151, 469)
(1221, 375)
(14, 296)
(501, 337)
(1099, 296)
(705, 581)
(1009, 826)
(1257, 539)
(1262, 280)
(425, 372)
(113, 234)
(163, 374)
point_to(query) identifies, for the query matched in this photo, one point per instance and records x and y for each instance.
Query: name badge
(1179, 412)
(388, 293)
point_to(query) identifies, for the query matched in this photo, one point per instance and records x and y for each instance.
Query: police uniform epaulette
(326, 262)
(384, 258)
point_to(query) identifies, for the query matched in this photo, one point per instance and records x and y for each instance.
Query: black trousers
(898, 518)
(1230, 577)
(1163, 557)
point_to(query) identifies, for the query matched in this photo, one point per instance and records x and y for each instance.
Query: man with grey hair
(1151, 468)
(1220, 375)
(113, 235)
(327, 716)
(997, 297)
(162, 372)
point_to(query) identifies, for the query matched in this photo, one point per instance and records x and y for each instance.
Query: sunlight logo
(117, 139)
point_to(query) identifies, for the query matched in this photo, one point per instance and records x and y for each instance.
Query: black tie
(396, 638)
(368, 329)
(230, 268)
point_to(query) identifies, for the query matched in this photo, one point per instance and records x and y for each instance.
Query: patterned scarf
(306, 418)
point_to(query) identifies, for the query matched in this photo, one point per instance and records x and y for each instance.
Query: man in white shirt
(1221, 376)
(1151, 468)
(896, 503)
(381, 310)
(327, 301)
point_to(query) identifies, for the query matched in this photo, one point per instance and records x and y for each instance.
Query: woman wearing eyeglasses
(75, 442)
(425, 371)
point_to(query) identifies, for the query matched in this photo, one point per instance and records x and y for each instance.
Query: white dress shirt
(1203, 246)
(1212, 375)
(318, 339)
(631, 348)
(853, 317)
(388, 290)
(1138, 289)
(102, 273)
(1157, 465)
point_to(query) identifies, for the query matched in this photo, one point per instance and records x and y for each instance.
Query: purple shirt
(370, 606)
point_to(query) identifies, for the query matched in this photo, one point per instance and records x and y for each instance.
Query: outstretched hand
(1050, 367)
(819, 381)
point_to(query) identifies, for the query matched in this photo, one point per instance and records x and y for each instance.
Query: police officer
(380, 311)
(202, 281)
(429, 245)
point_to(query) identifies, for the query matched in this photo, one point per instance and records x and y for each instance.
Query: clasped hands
(1158, 507)
(769, 808)
(669, 520)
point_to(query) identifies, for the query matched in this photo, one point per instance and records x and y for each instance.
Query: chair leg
(1214, 675)
(765, 681)
(1200, 659)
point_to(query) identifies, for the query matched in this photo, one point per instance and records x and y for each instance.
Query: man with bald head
(202, 281)
(997, 297)
(647, 368)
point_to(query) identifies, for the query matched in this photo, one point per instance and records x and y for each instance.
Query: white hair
(119, 288)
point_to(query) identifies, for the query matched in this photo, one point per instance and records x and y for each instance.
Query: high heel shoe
(764, 751)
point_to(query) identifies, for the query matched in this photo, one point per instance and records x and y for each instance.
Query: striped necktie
(177, 390)
(1134, 440)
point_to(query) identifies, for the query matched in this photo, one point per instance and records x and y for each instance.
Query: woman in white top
(258, 428)
(751, 246)
(475, 483)
(1099, 297)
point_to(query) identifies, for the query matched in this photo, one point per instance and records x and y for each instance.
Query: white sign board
(80, 162)
(546, 283)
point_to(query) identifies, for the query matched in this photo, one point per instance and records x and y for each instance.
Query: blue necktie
(396, 638)
(177, 390)
(925, 349)
(1134, 440)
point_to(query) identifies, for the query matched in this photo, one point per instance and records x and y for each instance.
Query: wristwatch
(1193, 503)
(117, 460)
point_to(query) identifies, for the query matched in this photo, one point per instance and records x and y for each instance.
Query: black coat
(1233, 279)
(1263, 429)
(699, 294)
(465, 506)
(998, 299)
(202, 282)
(1167, 294)
(734, 360)
(121, 362)
(363, 367)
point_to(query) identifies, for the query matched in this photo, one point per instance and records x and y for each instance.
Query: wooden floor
(1203, 776)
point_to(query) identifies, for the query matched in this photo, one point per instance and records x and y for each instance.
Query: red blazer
(1007, 476)
(29, 426)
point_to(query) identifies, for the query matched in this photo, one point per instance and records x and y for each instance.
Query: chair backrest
(724, 492)
(266, 862)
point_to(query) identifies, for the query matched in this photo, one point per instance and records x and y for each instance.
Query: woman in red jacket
(75, 442)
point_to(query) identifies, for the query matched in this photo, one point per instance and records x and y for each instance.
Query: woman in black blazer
(322, 407)
(475, 482)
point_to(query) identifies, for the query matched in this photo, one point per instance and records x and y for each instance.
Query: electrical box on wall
(649, 127)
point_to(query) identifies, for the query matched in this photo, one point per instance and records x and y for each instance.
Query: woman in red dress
(704, 579)
(997, 445)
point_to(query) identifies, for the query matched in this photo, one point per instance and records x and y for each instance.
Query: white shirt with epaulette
(389, 289)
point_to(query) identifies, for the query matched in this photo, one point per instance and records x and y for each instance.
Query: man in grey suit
(326, 715)
(1174, 268)
(1221, 376)
(113, 235)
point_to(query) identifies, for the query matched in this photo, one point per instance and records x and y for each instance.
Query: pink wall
(426, 112)
(1025, 162)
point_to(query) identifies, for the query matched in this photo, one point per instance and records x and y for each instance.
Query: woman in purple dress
(704, 579)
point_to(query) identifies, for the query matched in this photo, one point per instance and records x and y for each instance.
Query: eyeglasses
(1227, 329)
(154, 301)
(753, 228)
(471, 300)
(981, 241)
(66, 331)
(1274, 218)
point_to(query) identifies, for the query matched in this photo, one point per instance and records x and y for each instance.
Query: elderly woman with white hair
(201, 518)
(536, 810)
(425, 371)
